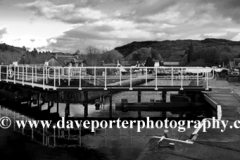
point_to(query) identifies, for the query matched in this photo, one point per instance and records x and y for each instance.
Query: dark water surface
(112, 144)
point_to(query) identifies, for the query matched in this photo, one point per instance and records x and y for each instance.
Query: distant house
(172, 63)
(109, 64)
(67, 61)
(64, 60)
(123, 63)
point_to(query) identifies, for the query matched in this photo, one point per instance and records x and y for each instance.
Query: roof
(64, 60)
(171, 63)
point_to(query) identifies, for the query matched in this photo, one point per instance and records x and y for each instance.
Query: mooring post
(139, 100)
(86, 104)
(110, 105)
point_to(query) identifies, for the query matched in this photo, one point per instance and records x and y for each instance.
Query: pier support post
(139, 100)
(86, 104)
(164, 96)
(110, 105)
(38, 101)
(67, 109)
(164, 100)
(57, 103)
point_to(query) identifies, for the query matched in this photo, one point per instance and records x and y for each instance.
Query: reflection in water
(119, 144)
(77, 110)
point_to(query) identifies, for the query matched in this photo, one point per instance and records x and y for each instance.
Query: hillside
(206, 52)
(9, 54)
(211, 51)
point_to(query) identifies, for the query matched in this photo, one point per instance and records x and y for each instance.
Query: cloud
(228, 35)
(109, 23)
(28, 41)
(68, 13)
(3, 30)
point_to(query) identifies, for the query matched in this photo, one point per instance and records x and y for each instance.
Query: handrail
(102, 76)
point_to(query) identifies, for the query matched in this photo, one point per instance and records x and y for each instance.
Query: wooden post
(38, 101)
(139, 100)
(110, 105)
(58, 102)
(67, 109)
(164, 99)
(164, 96)
(86, 104)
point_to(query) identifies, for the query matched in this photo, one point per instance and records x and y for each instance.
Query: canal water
(112, 144)
(115, 143)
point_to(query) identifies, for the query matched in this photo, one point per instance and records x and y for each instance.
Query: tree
(112, 56)
(149, 62)
(77, 52)
(34, 52)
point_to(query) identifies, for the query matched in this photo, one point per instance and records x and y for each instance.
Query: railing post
(43, 77)
(197, 76)
(172, 76)
(32, 76)
(7, 74)
(68, 76)
(94, 81)
(80, 79)
(105, 88)
(146, 76)
(23, 75)
(18, 71)
(59, 76)
(26, 73)
(120, 74)
(156, 88)
(54, 78)
(35, 73)
(14, 76)
(181, 78)
(207, 80)
(130, 79)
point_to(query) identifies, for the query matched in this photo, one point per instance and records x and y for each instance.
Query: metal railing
(79, 77)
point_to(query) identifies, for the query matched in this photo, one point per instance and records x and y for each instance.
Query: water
(115, 144)
(77, 110)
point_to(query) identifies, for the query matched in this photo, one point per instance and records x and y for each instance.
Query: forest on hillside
(209, 52)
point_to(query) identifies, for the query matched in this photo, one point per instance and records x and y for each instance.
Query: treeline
(92, 55)
(95, 57)
(9, 54)
(209, 51)
(213, 55)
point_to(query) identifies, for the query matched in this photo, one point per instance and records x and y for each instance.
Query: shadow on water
(39, 143)
(113, 144)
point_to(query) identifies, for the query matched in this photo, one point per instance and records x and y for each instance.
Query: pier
(38, 85)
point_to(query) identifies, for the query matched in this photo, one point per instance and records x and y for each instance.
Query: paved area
(213, 144)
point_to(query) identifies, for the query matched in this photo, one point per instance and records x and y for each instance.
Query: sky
(68, 25)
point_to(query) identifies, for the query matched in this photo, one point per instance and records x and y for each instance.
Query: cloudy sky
(68, 25)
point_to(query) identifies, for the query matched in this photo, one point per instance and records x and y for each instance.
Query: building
(172, 63)
(64, 60)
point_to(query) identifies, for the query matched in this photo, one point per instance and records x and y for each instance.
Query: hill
(210, 51)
